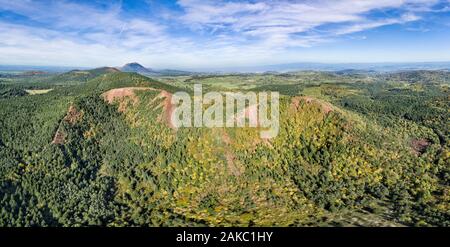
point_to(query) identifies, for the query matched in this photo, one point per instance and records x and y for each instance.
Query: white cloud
(373, 24)
(221, 33)
(287, 17)
(275, 24)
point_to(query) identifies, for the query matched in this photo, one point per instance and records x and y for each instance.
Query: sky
(194, 34)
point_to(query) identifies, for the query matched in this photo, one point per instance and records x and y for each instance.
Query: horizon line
(230, 67)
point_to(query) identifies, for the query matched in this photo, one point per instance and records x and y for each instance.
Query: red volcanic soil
(326, 107)
(120, 93)
(168, 107)
(72, 116)
(31, 73)
(128, 92)
(419, 146)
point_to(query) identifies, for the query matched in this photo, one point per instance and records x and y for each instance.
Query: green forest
(94, 148)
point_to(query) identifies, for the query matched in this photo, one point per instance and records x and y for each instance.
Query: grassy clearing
(38, 91)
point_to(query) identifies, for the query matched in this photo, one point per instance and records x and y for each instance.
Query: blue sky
(195, 34)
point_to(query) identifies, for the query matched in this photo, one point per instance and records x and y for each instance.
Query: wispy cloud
(286, 18)
(198, 33)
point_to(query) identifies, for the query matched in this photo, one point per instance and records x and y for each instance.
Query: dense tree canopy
(352, 150)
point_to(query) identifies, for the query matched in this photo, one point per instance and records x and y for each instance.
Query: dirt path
(72, 117)
(229, 155)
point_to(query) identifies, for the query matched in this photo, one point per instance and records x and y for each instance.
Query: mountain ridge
(135, 67)
(138, 68)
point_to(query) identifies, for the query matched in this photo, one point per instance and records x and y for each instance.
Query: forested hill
(421, 76)
(96, 148)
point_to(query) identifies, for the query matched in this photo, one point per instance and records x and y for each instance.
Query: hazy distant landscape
(281, 68)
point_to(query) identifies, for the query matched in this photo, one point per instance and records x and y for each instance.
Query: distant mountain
(172, 72)
(34, 72)
(335, 67)
(355, 72)
(48, 69)
(103, 70)
(23, 74)
(135, 67)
